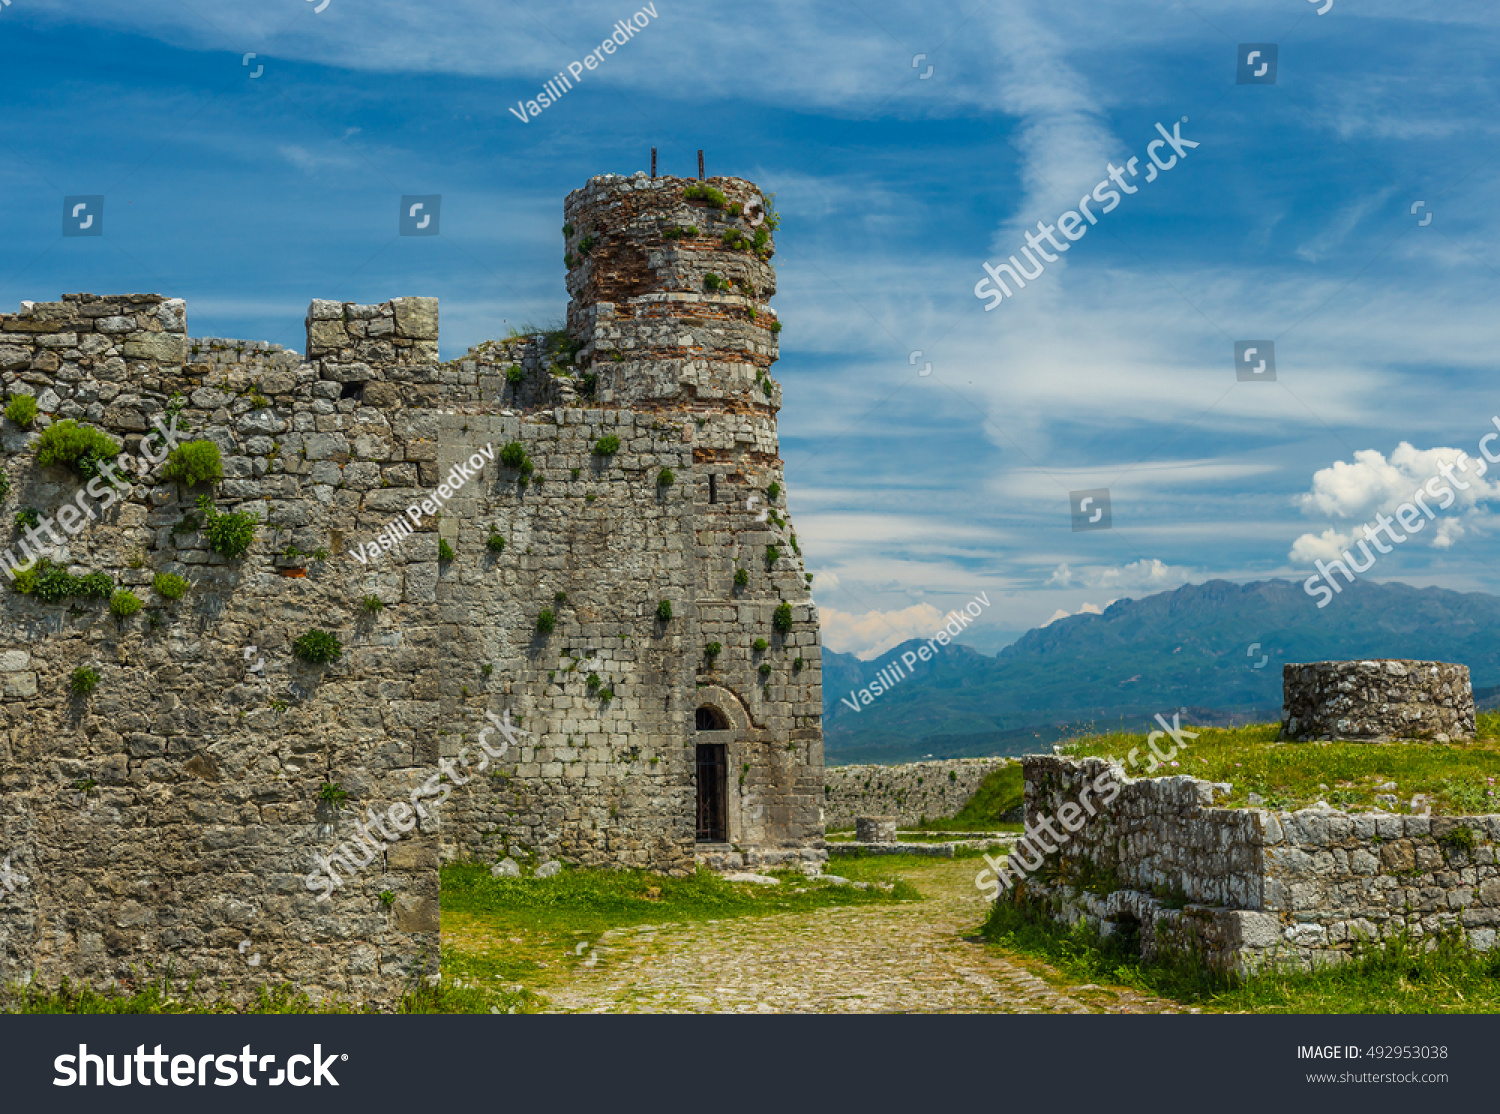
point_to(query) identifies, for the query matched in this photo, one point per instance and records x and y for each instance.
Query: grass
(1458, 778)
(152, 994)
(525, 931)
(1402, 975)
(1001, 791)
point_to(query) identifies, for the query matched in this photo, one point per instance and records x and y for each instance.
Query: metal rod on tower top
(700, 166)
(653, 162)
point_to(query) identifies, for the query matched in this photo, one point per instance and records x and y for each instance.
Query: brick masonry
(175, 814)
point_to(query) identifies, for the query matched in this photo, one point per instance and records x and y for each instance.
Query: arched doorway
(713, 776)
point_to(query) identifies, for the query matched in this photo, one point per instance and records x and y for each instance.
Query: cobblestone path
(910, 957)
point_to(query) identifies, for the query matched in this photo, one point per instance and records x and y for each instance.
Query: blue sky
(911, 493)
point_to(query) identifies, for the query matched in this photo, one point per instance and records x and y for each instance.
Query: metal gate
(713, 792)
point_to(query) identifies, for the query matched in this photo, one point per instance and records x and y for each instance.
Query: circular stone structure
(1377, 701)
(875, 829)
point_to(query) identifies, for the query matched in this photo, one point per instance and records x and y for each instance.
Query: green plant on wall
(494, 543)
(741, 577)
(607, 446)
(79, 447)
(28, 518)
(664, 611)
(445, 551)
(546, 622)
(124, 603)
(169, 585)
(195, 462)
(782, 619)
(665, 478)
(228, 533)
(318, 647)
(84, 681)
(22, 410)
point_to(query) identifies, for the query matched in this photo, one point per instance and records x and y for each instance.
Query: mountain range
(1214, 650)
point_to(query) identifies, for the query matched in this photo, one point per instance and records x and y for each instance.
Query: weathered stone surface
(1247, 888)
(1376, 701)
(908, 792)
(212, 745)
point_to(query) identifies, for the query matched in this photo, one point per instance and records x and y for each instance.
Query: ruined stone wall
(909, 792)
(1249, 888)
(1377, 701)
(177, 812)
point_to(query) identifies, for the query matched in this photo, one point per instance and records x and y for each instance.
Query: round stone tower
(670, 280)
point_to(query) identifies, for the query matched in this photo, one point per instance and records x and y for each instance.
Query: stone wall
(1249, 888)
(910, 791)
(1377, 701)
(176, 813)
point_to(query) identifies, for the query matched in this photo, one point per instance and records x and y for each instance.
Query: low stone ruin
(1377, 701)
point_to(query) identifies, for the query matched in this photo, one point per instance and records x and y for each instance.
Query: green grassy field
(1458, 778)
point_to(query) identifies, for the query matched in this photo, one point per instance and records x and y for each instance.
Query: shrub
(765, 671)
(228, 533)
(775, 327)
(194, 463)
(664, 611)
(607, 446)
(772, 491)
(741, 577)
(713, 282)
(712, 650)
(678, 232)
(665, 478)
(374, 604)
(772, 554)
(514, 455)
(28, 518)
(169, 585)
(99, 585)
(766, 387)
(567, 230)
(735, 240)
(702, 191)
(592, 684)
(494, 543)
(4, 485)
(587, 244)
(760, 645)
(782, 619)
(797, 667)
(515, 375)
(588, 386)
(387, 898)
(124, 603)
(445, 551)
(84, 681)
(24, 582)
(81, 447)
(22, 410)
(318, 647)
(332, 792)
(546, 622)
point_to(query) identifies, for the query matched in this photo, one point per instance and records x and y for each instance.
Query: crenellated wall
(178, 812)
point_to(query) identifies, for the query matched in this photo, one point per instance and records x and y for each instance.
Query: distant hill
(1189, 648)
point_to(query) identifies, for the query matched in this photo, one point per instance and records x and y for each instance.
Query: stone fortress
(618, 576)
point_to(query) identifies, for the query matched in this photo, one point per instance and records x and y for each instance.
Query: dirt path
(912, 957)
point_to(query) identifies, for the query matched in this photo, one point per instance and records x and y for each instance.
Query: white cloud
(873, 633)
(1144, 575)
(1086, 609)
(1359, 492)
